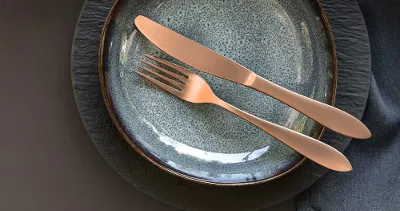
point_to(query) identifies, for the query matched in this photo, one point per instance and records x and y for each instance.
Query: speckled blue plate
(285, 41)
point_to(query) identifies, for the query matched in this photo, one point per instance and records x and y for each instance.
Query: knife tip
(138, 19)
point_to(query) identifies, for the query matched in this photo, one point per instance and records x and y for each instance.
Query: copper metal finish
(207, 60)
(195, 89)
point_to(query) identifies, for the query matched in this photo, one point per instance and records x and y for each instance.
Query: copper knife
(209, 61)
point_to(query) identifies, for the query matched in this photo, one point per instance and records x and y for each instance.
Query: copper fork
(192, 88)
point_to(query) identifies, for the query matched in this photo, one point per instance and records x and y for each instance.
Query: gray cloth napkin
(374, 183)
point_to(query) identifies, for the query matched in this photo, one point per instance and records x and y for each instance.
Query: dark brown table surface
(47, 160)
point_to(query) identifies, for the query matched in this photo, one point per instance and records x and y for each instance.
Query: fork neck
(227, 106)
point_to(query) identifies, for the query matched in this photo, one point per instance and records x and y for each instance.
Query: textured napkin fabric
(374, 183)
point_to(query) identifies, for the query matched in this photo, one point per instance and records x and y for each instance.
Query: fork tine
(172, 74)
(160, 84)
(175, 83)
(171, 65)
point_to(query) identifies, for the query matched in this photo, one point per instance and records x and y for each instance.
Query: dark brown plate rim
(120, 128)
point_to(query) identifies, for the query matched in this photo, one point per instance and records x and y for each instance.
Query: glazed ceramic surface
(283, 41)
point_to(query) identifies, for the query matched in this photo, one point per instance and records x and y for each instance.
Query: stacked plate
(287, 42)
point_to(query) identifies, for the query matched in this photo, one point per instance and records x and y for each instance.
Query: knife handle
(329, 116)
(311, 148)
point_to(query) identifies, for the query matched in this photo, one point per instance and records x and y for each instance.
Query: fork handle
(327, 115)
(311, 148)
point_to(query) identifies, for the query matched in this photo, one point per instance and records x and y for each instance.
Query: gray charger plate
(352, 91)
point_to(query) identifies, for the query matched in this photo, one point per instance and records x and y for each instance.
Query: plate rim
(109, 106)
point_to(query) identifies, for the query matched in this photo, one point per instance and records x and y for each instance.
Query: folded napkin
(374, 183)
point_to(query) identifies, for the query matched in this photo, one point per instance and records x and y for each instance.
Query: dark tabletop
(47, 160)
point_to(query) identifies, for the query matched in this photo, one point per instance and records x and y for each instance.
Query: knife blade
(193, 53)
(207, 60)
